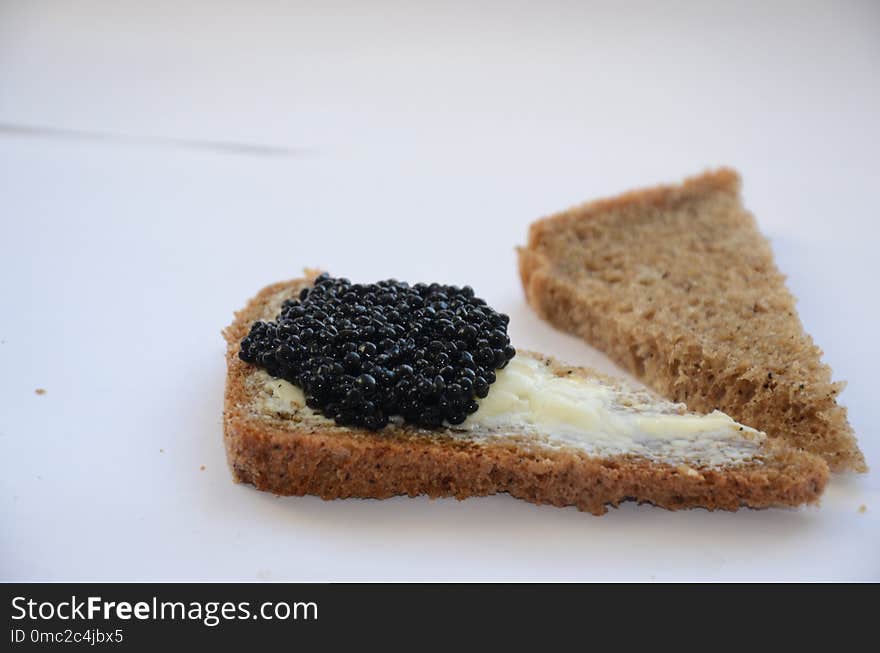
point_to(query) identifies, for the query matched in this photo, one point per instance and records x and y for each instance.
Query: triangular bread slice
(677, 285)
(277, 444)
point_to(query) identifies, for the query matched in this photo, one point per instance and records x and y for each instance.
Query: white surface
(422, 141)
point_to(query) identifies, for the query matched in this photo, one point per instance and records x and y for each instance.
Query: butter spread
(599, 418)
(581, 413)
(283, 396)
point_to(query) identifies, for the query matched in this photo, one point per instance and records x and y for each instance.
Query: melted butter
(587, 414)
(527, 392)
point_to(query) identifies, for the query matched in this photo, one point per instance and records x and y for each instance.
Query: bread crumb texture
(677, 285)
(298, 452)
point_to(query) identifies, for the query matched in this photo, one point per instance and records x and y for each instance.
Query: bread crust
(677, 285)
(297, 458)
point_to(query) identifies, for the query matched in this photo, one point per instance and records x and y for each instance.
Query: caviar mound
(365, 353)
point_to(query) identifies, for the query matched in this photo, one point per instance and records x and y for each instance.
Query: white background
(415, 140)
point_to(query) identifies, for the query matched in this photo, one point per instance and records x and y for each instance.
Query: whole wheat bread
(290, 450)
(677, 285)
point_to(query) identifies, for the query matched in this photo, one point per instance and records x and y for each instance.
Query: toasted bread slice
(677, 285)
(281, 446)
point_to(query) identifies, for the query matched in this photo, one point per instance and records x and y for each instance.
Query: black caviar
(363, 353)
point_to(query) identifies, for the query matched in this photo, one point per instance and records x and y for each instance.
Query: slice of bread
(278, 445)
(677, 285)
